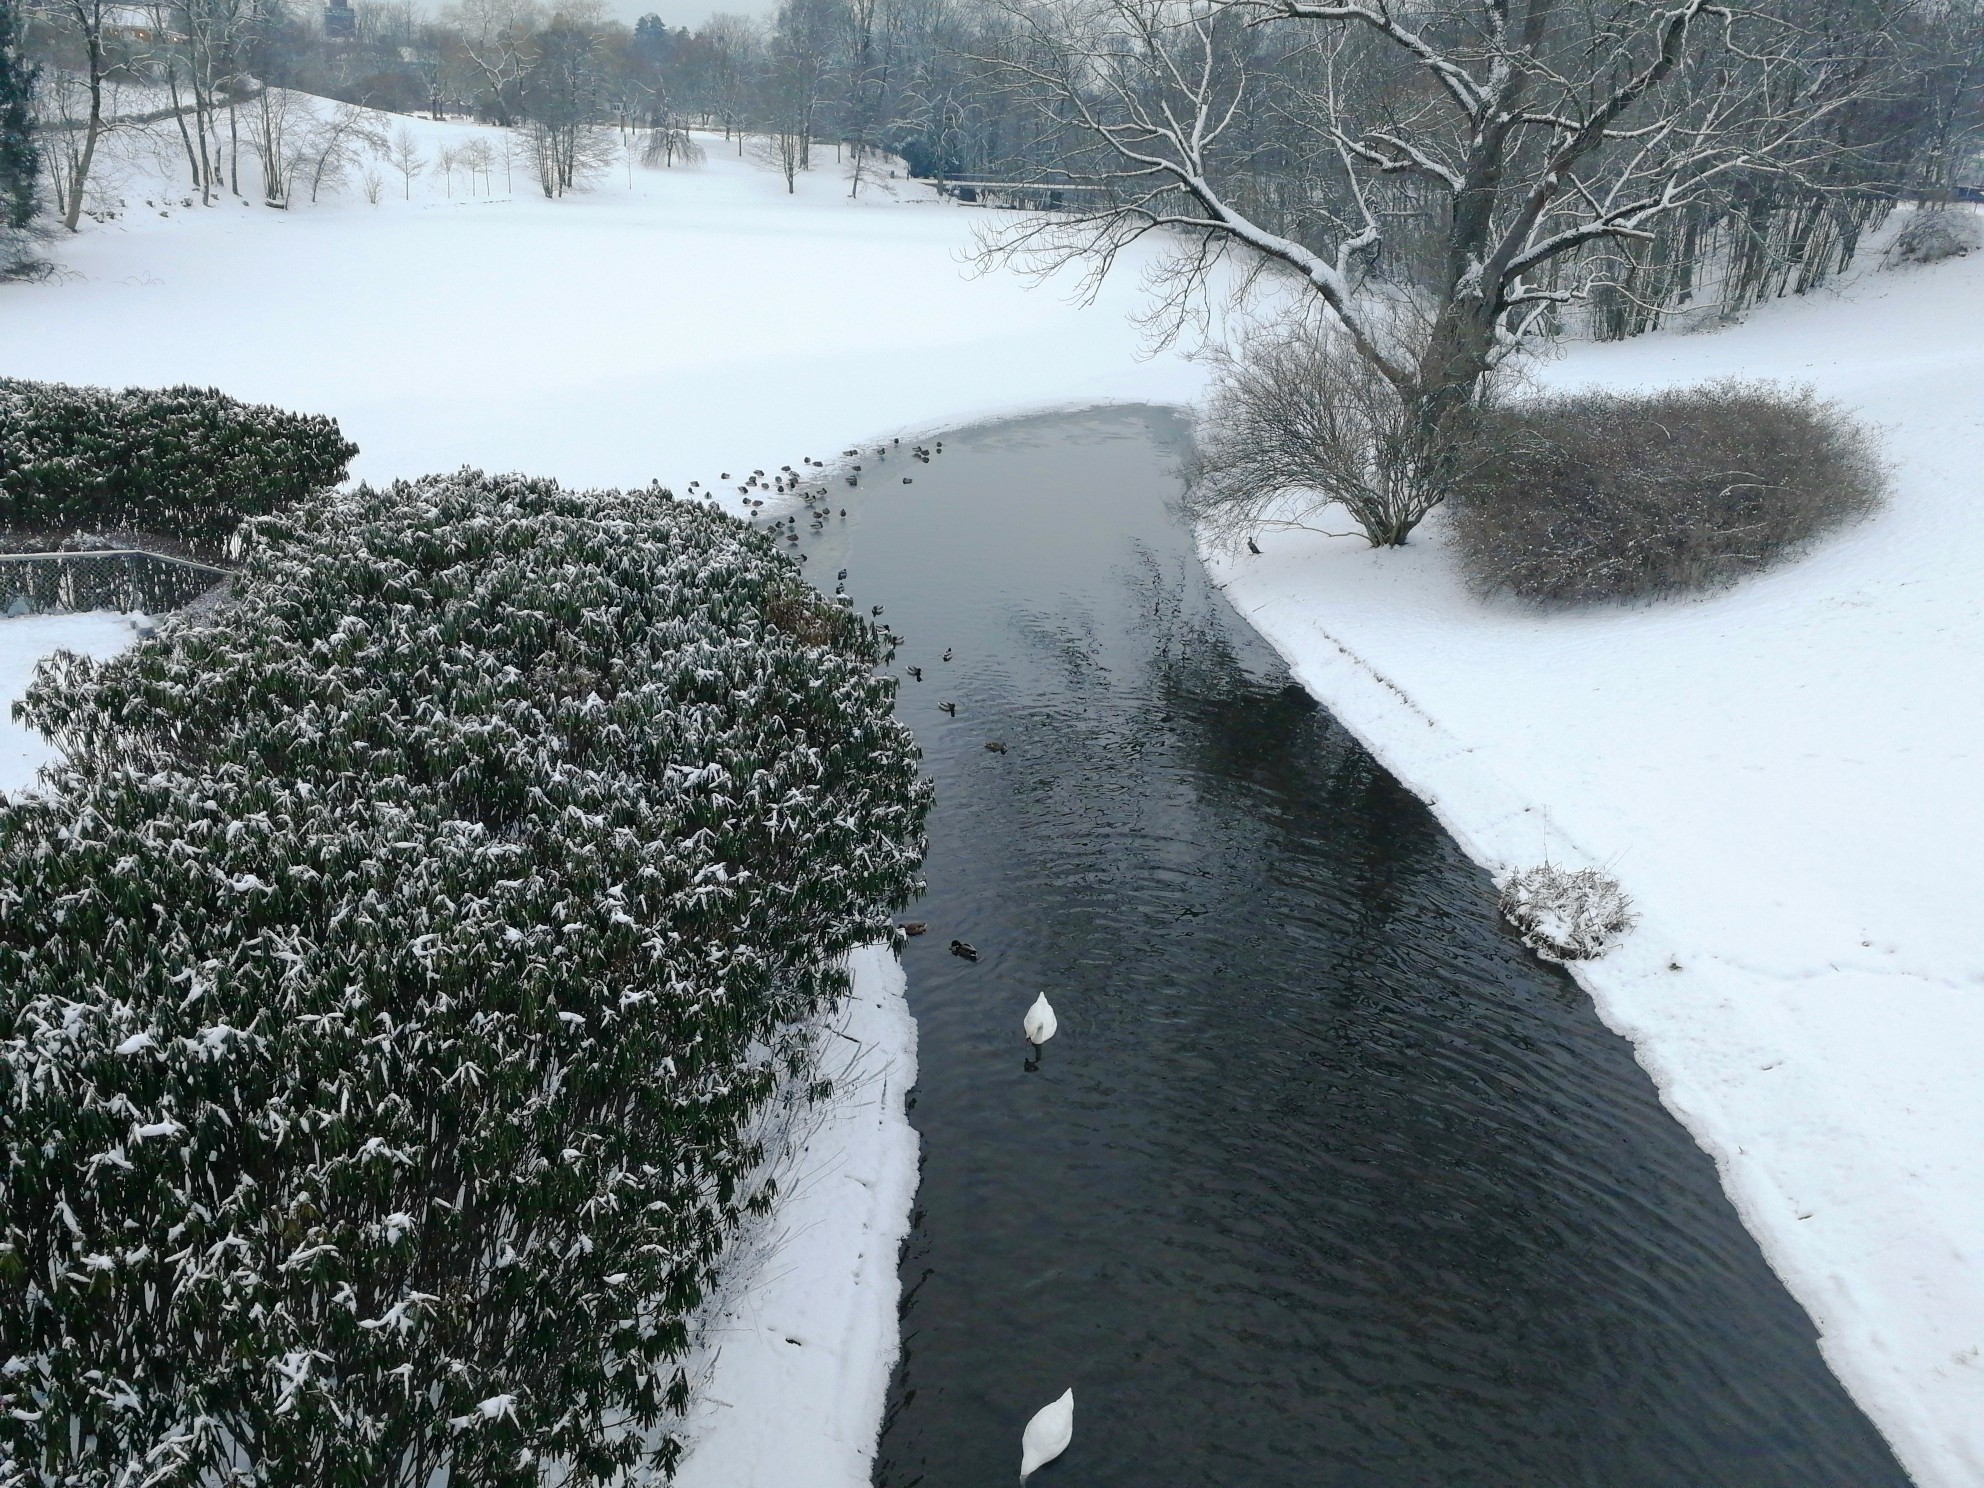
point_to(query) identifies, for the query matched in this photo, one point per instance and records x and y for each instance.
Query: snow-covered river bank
(1784, 777)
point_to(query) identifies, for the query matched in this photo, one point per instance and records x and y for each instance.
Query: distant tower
(340, 22)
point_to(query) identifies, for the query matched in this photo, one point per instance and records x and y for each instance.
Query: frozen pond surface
(1325, 1180)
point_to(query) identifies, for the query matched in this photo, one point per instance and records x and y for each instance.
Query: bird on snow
(1047, 1435)
(1253, 548)
(964, 949)
(1040, 1023)
(950, 708)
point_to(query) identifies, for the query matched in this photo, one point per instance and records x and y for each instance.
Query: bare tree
(498, 39)
(478, 159)
(82, 22)
(403, 154)
(336, 143)
(272, 132)
(1534, 129)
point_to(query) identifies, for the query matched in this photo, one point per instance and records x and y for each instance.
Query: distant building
(340, 21)
(129, 23)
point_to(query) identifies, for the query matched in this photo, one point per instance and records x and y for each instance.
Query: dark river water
(1325, 1180)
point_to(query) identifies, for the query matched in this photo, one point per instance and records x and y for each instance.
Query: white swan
(1040, 1021)
(1049, 1432)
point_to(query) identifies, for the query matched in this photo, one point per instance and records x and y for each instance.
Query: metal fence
(113, 579)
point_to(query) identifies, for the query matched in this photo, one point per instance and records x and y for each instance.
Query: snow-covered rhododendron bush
(390, 974)
(187, 463)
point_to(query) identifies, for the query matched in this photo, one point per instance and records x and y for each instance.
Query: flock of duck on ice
(1053, 1426)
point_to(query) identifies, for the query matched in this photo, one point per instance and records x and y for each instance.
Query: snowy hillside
(1785, 779)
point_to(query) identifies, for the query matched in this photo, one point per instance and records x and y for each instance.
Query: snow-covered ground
(694, 321)
(796, 1352)
(1783, 776)
(1786, 779)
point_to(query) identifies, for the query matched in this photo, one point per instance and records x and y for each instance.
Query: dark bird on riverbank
(960, 948)
(996, 747)
(950, 708)
(915, 673)
(1252, 548)
(947, 653)
(913, 927)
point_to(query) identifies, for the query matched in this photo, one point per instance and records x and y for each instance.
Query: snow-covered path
(1786, 779)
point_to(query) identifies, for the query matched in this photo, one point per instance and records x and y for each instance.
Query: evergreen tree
(20, 161)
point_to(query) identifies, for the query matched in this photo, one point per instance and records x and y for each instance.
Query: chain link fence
(115, 579)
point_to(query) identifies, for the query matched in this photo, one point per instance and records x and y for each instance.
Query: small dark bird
(842, 574)
(1252, 548)
(907, 481)
(916, 673)
(896, 440)
(843, 511)
(996, 747)
(726, 475)
(950, 708)
(960, 948)
(913, 927)
(947, 653)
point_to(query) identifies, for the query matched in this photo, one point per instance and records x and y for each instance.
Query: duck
(995, 746)
(950, 708)
(1047, 1435)
(914, 927)
(964, 949)
(947, 653)
(1040, 1024)
(915, 673)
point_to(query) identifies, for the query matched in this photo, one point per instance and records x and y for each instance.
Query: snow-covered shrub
(183, 462)
(1567, 914)
(1930, 236)
(1599, 495)
(390, 976)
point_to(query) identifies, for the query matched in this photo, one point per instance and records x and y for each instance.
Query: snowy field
(694, 321)
(1785, 778)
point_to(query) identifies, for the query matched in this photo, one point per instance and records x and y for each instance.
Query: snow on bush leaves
(186, 462)
(388, 979)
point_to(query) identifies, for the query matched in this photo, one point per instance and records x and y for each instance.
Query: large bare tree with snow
(1500, 140)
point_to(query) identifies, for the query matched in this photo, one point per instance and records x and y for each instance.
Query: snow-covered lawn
(1788, 779)
(696, 321)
